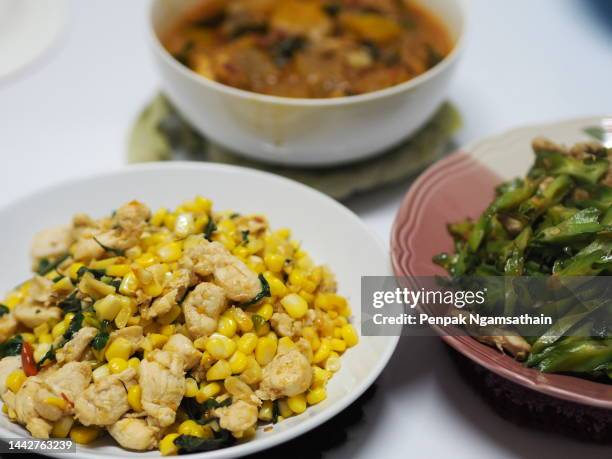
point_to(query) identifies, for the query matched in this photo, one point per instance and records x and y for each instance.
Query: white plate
(331, 233)
(28, 28)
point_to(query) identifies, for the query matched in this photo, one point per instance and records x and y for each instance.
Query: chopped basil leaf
(71, 303)
(117, 252)
(100, 340)
(264, 293)
(75, 326)
(11, 347)
(4, 309)
(211, 227)
(191, 444)
(45, 266)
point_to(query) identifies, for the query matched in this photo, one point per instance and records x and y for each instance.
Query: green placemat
(161, 134)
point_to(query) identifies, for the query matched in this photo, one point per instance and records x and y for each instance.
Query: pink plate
(460, 186)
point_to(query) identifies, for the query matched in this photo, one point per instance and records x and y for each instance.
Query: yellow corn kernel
(277, 287)
(47, 338)
(168, 330)
(295, 305)
(40, 350)
(333, 362)
(316, 395)
(117, 365)
(167, 446)
(219, 371)
(265, 350)
(74, 269)
(134, 397)
(170, 316)
(184, 225)
(337, 345)
(63, 285)
(283, 408)
(220, 346)
(207, 360)
(238, 362)
(15, 379)
(157, 219)
(83, 434)
(227, 326)
(146, 259)
(308, 297)
(297, 403)
(252, 374)
(100, 373)
(61, 427)
(41, 330)
(120, 347)
(200, 343)
(153, 289)
(108, 307)
(57, 402)
(170, 252)
(256, 264)
(323, 352)
(190, 427)
(122, 318)
(266, 411)
(247, 343)
(201, 204)
(243, 320)
(275, 262)
(319, 377)
(241, 252)
(157, 340)
(134, 363)
(266, 310)
(129, 284)
(208, 391)
(349, 335)
(96, 289)
(29, 337)
(59, 329)
(191, 387)
(285, 344)
(103, 264)
(118, 270)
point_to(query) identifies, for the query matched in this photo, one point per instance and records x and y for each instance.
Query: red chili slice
(27, 360)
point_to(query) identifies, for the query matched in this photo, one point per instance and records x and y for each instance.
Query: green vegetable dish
(555, 222)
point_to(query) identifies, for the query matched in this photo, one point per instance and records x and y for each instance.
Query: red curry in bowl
(309, 48)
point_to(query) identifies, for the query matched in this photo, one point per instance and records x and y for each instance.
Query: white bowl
(304, 132)
(331, 233)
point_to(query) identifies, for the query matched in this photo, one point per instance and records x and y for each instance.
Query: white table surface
(526, 61)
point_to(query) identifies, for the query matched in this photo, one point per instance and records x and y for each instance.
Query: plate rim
(467, 346)
(307, 424)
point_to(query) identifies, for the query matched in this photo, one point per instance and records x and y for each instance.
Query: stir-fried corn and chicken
(178, 330)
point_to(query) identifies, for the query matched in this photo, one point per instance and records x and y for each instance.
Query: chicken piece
(240, 390)
(135, 434)
(104, 402)
(284, 325)
(8, 325)
(32, 315)
(238, 417)
(76, 347)
(182, 345)
(230, 273)
(202, 308)
(51, 242)
(129, 222)
(7, 366)
(69, 381)
(160, 306)
(162, 380)
(286, 375)
(254, 224)
(24, 404)
(86, 248)
(133, 334)
(41, 290)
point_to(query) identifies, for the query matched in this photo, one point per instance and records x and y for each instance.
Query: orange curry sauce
(309, 48)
